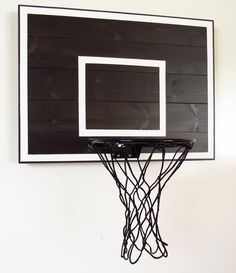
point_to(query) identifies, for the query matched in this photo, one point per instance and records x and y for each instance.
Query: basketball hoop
(141, 198)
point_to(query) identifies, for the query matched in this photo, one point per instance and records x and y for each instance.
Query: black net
(140, 197)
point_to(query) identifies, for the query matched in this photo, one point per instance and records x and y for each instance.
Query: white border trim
(23, 81)
(23, 40)
(210, 93)
(83, 131)
(114, 16)
(93, 157)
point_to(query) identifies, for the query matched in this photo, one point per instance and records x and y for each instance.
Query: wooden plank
(122, 83)
(63, 53)
(122, 115)
(64, 143)
(115, 30)
(60, 84)
(57, 142)
(63, 116)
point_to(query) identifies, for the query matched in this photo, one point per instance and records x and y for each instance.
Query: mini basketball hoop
(140, 197)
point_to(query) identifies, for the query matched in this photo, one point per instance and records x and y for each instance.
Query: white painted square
(83, 131)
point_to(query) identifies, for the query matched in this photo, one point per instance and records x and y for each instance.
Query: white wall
(68, 218)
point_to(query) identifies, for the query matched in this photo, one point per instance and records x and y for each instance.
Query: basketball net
(141, 199)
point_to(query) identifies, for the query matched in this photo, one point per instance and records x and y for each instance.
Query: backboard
(86, 73)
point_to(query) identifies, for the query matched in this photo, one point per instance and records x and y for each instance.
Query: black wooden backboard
(89, 73)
